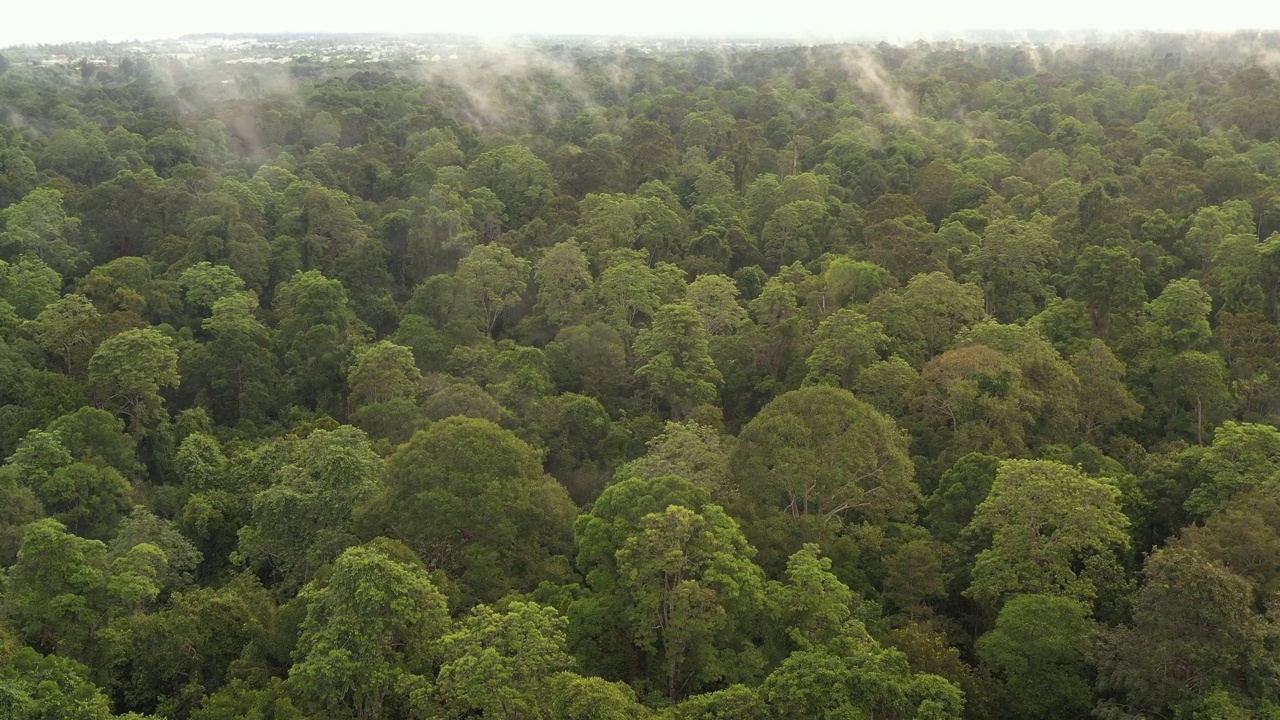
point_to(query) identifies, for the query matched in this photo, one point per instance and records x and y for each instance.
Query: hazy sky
(35, 21)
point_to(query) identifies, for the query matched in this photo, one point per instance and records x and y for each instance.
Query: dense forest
(721, 383)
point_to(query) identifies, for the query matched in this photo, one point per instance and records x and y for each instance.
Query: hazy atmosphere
(639, 361)
(87, 20)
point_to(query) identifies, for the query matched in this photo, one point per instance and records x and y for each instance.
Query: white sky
(36, 21)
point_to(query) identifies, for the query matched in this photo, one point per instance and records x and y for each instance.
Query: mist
(823, 21)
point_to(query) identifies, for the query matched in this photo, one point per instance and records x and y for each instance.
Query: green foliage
(955, 335)
(127, 373)
(36, 687)
(1194, 632)
(371, 637)
(1039, 653)
(690, 588)
(500, 664)
(819, 451)
(852, 676)
(1043, 517)
(472, 499)
(304, 519)
(673, 358)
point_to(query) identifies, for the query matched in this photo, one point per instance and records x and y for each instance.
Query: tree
(1178, 319)
(325, 234)
(39, 225)
(1105, 400)
(316, 331)
(1192, 386)
(267, 698)
(167, 661)
(131, 212)
(29, 286)
(69, 328)
(472, 499)
(242, 373)
(382, 373)
(1242, 535)
(795, 232)
(673, 358)
(646, 224)
(575, 697)
(777, 331)
(1043, 518)
(848, 281)
(715, 297)
(205, 284)
(564, 281)
(126, 286)
(128, 372)
(1249, 347)
(1210, 225)
(601, 622)
(884, 385)
(1039, 651)
(304, 519)
(371, 638)
(626, 293)
(520, 179)
(688, 450)
(56, 590)
(941, 308)
(962, 488)
(1014, 262)
(1051, 388)
(976, 397)
(144, 527)
(500, 663)
(590, 359)
(1237, 273)
(690, 582)
(18, 175)
(38, 687)
(852, 675)
(906, 246)
(1194, 631)
(1108, 280)
(819, 451)
(1243, 457)
(90, 497)
(846, 343)
(649, 150)
(813, 607)
(495, 279)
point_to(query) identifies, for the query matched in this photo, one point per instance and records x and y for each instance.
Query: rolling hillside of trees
(848, 382)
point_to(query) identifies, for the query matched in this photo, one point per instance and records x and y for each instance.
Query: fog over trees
(362, 378)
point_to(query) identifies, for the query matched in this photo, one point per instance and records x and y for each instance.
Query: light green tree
(371, 638)
(564, 280)
(715, 297)
(383, 372)
(69, 328)
(495, 278)
(690, 584)
(1043, 519)
(39, 225)
(472, 499)
(673, 358)
(501, 663)
(304, 519)
(846, 342)
(128, 372)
